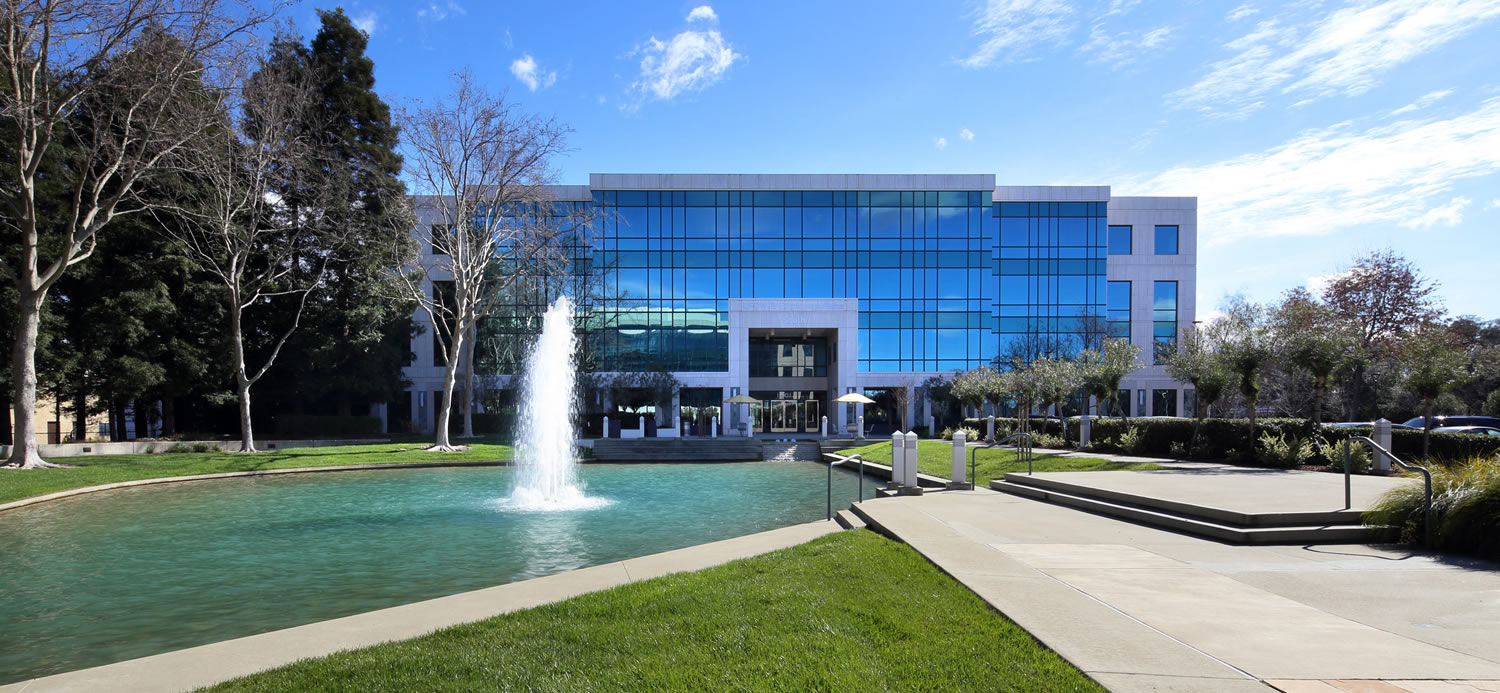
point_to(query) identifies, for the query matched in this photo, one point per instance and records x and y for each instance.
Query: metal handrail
(1426, 481)
(836, 462)
(1024, 452)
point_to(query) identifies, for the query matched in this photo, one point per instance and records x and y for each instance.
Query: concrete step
(1213, 514)
(790, 452)
(1187, 524)
(848, 520)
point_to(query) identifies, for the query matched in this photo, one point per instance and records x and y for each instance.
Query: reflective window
(1119, 240)
(1117, 316)
(1166, 240)
(1163, 319)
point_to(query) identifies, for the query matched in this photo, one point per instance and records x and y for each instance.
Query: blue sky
(1310, 131)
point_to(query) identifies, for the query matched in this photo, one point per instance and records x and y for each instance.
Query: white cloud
(531, 74)
(1493, 204)
(1009, 27)
(1343, 51)
(1427, 100)
(966, 134)
(1316, 285)
(366, 22)
(1325, 180)
(940, 142)
(1242, 12)
(689, 61)
(437, 12)
(1122, 49)
(1446, 215)
(703, 12)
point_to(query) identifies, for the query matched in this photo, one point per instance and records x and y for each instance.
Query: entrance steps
(798, 451)
(1235, 527)
(677, 450)
(848, 520)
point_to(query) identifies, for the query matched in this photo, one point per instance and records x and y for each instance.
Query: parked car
(1472, 430)
(1349, 424)
(1445, 421)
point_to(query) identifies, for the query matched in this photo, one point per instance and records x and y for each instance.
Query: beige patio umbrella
(855, 398)
(742, 399)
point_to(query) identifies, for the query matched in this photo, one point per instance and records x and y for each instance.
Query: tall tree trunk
(80, 414)
(1319, 386)
(468, 404)
(168, 416)
(241, 375)
(247, 435)
(116, 422)
(445, 409)
(23, 452)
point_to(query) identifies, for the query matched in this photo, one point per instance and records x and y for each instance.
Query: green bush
(198, 446)
(970, 434)
(1465, 509)
(1044, 440)
(313, 425)
(1331, 453)
(1492, 404)
(1279, 451)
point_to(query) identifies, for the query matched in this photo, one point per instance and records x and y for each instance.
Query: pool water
(123, 574)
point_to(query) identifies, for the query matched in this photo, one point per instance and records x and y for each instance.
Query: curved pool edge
(205, 665)
(69, 493)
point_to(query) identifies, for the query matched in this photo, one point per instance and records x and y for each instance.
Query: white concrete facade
(1142, 268)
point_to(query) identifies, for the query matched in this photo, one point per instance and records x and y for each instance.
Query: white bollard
(909, 478)
(823, 429)
(1085, 431)
(713, 427)
(606, 427)
(960, 449)
(898, 459)
(989, 435)
(1382, 436)
(860, 431)
(642, 421)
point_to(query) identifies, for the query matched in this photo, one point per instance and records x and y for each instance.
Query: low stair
(1321, 527)
(799, 451)
(848, 520)
(677, 450)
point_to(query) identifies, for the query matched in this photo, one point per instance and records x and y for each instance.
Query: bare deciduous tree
(481, 169)
(114, 79)
(236, 226)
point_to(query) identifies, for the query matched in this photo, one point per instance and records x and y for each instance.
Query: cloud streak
(1325, 180)
(1342, 52)
(1010, 27)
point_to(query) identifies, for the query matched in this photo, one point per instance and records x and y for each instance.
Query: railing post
(1348, 501)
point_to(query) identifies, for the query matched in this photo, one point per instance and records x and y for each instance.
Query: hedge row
(300, 425)
(1225, 438)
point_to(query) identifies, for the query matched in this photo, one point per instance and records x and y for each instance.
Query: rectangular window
(1166, 240)
(441, 236)
(1163, 319)
(1164, 403)
(1117, 309)
(1122, 403)
(1120, 240)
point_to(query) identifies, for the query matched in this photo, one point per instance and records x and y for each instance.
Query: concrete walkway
(1140, 609)
(202, 666)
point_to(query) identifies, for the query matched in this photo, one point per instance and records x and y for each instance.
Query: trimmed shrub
(1279, 451)
(197, 446)
(1465, 509)
(313, 425)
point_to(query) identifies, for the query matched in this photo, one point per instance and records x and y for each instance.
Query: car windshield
(1414, 423)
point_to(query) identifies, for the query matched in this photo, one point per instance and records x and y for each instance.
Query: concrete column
(960, 451)
(911, 407)
(642, 424)
(909, 475)
(898, 460)
(1382, 438)
(1085, 430)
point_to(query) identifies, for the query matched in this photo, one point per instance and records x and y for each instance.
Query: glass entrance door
(785, 416)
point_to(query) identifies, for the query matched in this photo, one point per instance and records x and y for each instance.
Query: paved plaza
(1142, 609)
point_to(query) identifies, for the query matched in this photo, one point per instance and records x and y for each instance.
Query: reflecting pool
(124, 574)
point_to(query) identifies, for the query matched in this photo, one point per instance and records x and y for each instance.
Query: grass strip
(935, 457)
(94, 470)
(819, 616)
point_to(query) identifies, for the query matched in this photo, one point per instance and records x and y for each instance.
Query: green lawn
(16, 484)
(935, 457)
(802, 618)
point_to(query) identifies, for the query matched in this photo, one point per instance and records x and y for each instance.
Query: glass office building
(796, 289)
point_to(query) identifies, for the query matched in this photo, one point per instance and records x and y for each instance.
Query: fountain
(547, 473)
